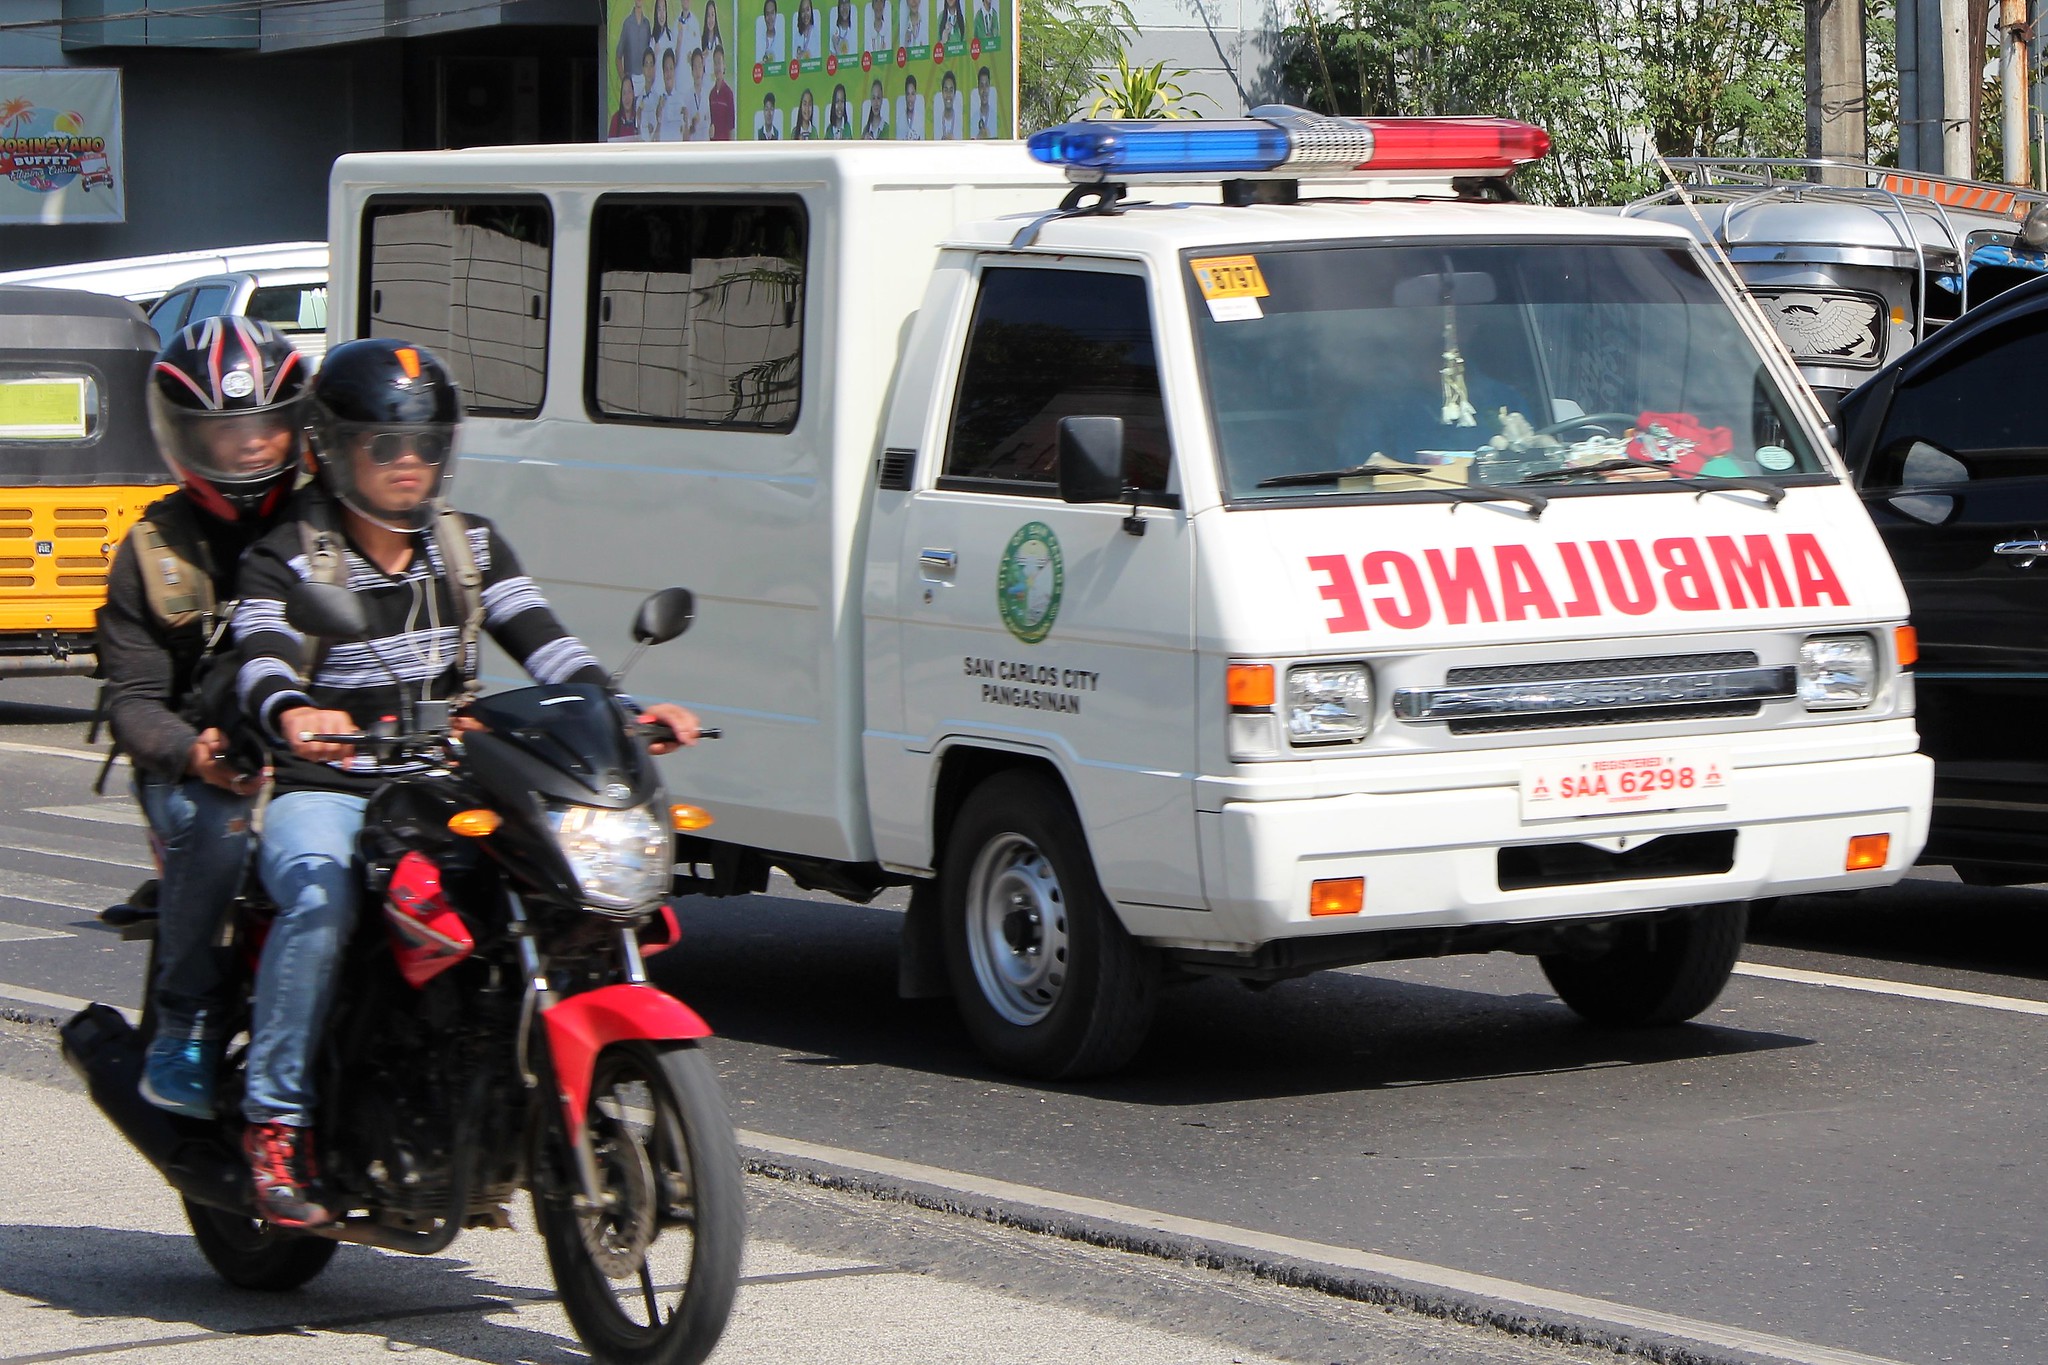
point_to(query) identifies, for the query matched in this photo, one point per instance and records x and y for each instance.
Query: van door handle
(945, 561)
(2027, 551)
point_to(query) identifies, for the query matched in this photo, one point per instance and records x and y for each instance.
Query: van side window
(697, 314)
(1048, 344)
(468, 281)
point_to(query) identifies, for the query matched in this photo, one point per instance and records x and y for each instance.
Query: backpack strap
(176, 577)
(465, 584)
(326, 562)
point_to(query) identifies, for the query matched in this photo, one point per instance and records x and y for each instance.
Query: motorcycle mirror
(326, 609)
(664, 616)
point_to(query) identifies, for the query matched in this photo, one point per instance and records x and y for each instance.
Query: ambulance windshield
(1559, 366)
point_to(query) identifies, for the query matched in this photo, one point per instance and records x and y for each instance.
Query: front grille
(1726, 683)
(1640, 715)
(1553, 670)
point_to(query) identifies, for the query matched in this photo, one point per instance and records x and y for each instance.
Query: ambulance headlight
(1837, 672)
(1328, 703)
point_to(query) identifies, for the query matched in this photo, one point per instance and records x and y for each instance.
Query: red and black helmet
(228, 404)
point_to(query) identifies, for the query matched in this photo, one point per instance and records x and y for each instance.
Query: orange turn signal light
(1907, 641)
(475, 824)
(1867, 852)
(1338, 896)
(687, 818)
(1250, 685)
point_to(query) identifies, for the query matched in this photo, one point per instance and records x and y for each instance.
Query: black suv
(1949, 447)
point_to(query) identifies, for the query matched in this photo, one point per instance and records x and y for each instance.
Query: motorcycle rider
(385, 416)
(226, 399)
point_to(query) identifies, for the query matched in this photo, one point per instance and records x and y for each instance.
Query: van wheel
(1047, 980)
(1661, 970)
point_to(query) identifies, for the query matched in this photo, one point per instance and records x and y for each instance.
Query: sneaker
(177, 1075)
(281, 1159)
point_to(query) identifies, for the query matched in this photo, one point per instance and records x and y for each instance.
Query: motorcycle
(495, 1029)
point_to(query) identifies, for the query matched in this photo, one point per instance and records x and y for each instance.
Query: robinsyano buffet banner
(60, 145)
(766, 70)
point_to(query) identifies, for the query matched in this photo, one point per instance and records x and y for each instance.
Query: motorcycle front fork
(590, 1194)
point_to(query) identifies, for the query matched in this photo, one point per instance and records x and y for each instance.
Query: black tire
(1661, 970)
(252, 1255)
(647, 1096)
(1053, 988)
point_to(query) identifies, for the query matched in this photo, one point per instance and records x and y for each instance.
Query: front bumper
(1432, 858)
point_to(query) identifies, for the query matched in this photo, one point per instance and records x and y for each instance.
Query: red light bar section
(1452, 144)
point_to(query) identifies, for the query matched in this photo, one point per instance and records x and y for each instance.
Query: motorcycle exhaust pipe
(106, 1052)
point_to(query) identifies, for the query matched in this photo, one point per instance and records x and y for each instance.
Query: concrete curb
(1381, 1291)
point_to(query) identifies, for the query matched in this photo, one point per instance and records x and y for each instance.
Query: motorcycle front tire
(680, 1080)
(253, 1255)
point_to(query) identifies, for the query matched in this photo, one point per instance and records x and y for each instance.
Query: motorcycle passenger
(226, 401)
(384, 421)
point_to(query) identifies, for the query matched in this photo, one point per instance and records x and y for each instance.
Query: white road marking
(80, 850)
(1322, 1253)
(24, 933)
(108, 813)
(27, 886)
(70, 1004)
(9, 746)
(2011, 1004)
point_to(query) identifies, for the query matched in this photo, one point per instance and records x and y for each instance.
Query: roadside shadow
(109, 1275)
(819, 980)
(2000, 930)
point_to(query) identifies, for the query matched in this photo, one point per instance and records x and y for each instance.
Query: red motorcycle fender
(584, 1025)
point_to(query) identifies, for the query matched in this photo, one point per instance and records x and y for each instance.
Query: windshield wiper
(1456, 489)
(1701, 483)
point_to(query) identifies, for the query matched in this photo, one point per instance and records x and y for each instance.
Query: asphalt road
(1840, 1154)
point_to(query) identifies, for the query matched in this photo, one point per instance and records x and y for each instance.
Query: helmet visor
(389, 473)
(233, 448)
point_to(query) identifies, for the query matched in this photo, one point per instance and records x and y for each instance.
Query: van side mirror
(328, 610)
(1091, 459)
(664, 616)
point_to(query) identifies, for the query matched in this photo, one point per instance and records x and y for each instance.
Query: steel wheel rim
(1017, 929)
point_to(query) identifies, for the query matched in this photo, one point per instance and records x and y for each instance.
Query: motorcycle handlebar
(663, 733)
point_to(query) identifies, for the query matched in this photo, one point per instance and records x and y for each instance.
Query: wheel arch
(966, 764)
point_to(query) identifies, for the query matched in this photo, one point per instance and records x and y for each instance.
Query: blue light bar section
(1118, 147)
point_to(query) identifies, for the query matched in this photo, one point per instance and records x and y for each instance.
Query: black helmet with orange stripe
(228, 406)
(384, 421)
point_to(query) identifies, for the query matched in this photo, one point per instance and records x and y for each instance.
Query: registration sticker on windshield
(1231, 285)
(47, 409)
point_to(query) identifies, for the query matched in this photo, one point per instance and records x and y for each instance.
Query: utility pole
(1958, 80)
(1837, 91)
(2014, 87)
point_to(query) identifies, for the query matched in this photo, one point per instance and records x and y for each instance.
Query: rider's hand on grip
(669, 727)
(311, 733)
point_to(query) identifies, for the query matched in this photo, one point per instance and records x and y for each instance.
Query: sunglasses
(389, 447)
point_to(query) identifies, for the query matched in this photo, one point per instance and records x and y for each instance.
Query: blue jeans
(203, 833)
(309, 842)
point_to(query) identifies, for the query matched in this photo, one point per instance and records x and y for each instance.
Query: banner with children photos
(768, 70)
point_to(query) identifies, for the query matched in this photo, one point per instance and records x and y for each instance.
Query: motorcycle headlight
(1837, 672)
(623, 859)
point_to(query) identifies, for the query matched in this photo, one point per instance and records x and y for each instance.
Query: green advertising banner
(767, 70)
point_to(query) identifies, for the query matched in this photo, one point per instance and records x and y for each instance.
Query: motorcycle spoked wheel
(253, 1255)
(650, 1280)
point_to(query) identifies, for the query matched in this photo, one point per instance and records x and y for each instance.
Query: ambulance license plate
(1603, 784)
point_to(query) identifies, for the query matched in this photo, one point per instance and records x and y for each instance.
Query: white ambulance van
(1327, 561)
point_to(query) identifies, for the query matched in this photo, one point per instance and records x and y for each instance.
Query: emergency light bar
(1281, 142)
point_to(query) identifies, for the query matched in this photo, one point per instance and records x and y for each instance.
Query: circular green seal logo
(1029, 582)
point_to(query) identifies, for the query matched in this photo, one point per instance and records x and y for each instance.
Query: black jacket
(149, 668)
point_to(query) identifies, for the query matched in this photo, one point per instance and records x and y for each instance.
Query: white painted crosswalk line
(25, 933)
(108, 813)
(37, 890)
(134, 857)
